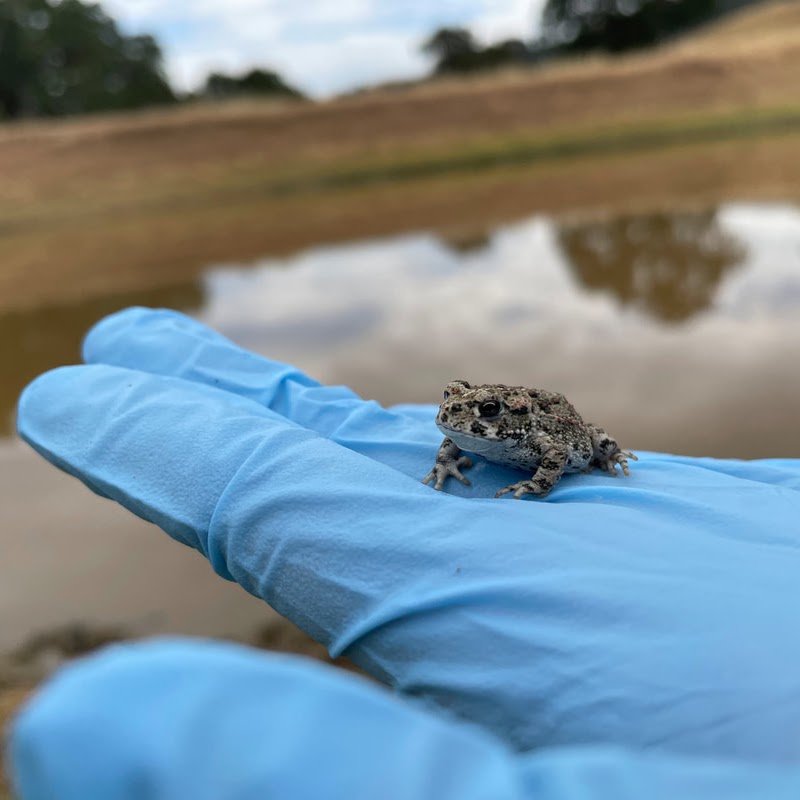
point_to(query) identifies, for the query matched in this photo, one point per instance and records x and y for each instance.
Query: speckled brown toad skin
(530, 429)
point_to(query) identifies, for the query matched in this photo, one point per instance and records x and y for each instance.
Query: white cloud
(321, 68)
(357, 60)
(323, 47)
(514, 19)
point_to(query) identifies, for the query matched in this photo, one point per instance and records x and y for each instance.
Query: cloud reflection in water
(680, 341)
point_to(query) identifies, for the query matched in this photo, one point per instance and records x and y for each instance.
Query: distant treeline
(618, 25)
(257, 81)
(580, 26)
(68, 56)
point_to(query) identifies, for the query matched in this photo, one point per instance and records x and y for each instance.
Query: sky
(322, 47)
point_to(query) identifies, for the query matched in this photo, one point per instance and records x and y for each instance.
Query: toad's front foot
(448, 463)
(442, 471)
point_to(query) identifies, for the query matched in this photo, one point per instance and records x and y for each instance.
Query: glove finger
(166, 342)
(362, 558)
(291, 516)
(178, 719)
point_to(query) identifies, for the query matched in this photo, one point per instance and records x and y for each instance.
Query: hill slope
(750, 60)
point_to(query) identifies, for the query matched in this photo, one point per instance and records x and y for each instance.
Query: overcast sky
(321, 46)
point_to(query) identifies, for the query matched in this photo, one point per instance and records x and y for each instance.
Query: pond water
(677, 332)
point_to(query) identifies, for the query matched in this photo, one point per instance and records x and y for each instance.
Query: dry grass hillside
(771, 25)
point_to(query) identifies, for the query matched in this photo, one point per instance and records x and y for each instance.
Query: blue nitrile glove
(656, 611)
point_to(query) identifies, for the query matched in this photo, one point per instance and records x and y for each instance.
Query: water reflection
(34, 341)
(707, 335)
(667, 265)
(468, 241)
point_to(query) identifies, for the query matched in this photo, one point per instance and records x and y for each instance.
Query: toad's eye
(489, 408)
(445, 395)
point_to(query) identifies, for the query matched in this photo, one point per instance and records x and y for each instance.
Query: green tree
(618, 25)
(454, 49)
(69, 57)
(255, 82)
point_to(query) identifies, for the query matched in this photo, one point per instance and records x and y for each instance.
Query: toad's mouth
(468, 441)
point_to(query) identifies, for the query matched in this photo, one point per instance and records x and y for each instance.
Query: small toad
(531, 429)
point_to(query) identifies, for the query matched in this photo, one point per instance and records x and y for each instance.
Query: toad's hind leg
(544, 479)
(607, 453)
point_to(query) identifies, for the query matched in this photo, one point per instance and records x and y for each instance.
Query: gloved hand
(654, 612)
